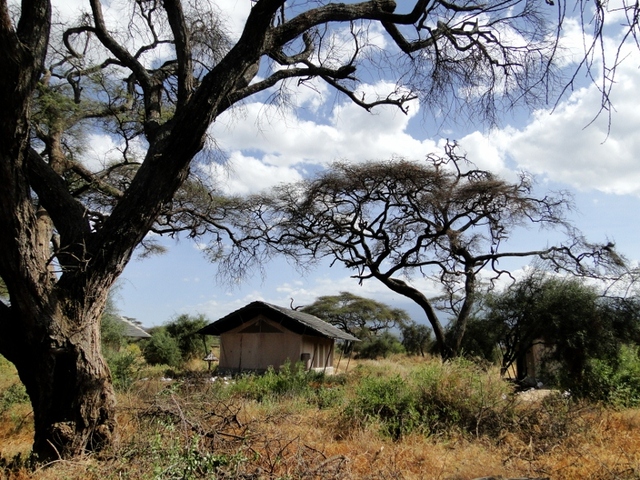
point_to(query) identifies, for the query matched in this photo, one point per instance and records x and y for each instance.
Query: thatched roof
(298, 322)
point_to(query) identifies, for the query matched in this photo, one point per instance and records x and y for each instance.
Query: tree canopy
(416, 338)
(573, 320)
(440, 218)
(369, 320)
(184, 329)
(358, 316)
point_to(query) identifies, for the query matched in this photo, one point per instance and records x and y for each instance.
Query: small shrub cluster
(162, 349)
(291, 380)
(12, 395)
(177, 342)
(432, 399)
(125, 365)
(388, 402)
(176, 459)
(615, 383)
(378, 346)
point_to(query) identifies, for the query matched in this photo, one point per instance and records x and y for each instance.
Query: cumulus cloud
(265, 140)
(577, 143)
(100, 151)
(235, 13)
(246, 174)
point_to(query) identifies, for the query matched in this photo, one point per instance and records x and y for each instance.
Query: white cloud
(69, 10)
(236, 13)
(267, 143)
(243, 174)
(572, 43)
(100, 151)
(573, 144)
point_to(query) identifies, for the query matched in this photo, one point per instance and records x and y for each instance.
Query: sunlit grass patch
(468, 425)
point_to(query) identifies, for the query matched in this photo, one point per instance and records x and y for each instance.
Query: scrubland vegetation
(397, 418)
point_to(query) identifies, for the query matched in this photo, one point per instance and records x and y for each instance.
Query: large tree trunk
(61, 365)
(50, 327)
(72, 398)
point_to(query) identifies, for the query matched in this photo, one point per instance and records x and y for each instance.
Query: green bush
(378, 346)
(13, 395)
(174, 460)
(327, 396)
(291, 380)
(162, 349)
(434, 398)
(124, 365)
(112, 333)
(416, 338)
(389, 401)
(616, 383)
(462, 395)
(184, 330)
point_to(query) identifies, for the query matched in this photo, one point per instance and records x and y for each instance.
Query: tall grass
(386, 419)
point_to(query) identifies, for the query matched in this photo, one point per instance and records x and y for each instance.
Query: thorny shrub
(456, 397)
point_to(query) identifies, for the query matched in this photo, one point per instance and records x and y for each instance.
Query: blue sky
(564, 147)
(557, 148)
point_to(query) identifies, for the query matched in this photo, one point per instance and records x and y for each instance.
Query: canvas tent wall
(261, 335)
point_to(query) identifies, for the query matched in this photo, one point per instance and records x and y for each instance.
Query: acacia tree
(416, 338)
(573, 319)
(184, 329)
(441, 218)
(358, 316)
(67, 232)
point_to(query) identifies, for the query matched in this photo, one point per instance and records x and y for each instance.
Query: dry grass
(166, 429)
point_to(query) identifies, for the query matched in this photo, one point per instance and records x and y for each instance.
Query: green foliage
(112, 333)
(290, 380)
(432, 399)
(390, 402)
(481, 341)
(177, 342)
(162, 349)
(463, 395)
(125, 365)
(378, 346)
(183, 329)
(358, 316)
(416, 338)
(617, 383)
(3, 289)
(13, 395)
(576, 324)
(173, 460)
(111, 329)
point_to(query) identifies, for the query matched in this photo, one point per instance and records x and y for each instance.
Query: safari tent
(261, 335)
